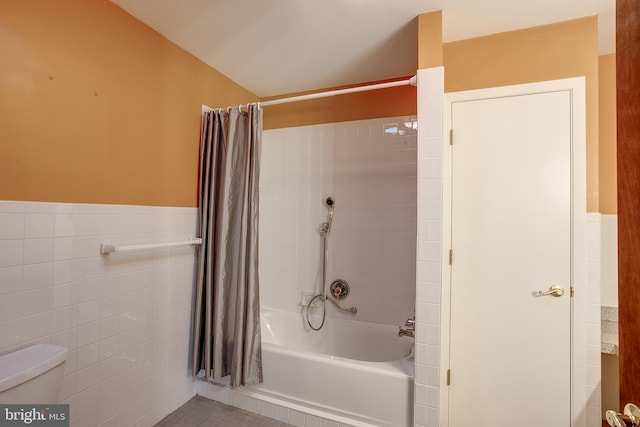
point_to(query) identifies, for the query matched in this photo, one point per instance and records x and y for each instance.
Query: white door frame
(579, 302)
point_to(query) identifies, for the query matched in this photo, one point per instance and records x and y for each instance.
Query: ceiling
(275, 47)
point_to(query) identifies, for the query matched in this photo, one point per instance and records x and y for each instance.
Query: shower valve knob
(339, 288)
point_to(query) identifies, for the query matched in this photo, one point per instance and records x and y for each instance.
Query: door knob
(554, 291)
(630, 417)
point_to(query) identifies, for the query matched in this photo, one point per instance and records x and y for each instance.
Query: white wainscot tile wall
(125, 318)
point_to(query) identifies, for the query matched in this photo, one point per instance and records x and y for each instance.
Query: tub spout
(408, 329)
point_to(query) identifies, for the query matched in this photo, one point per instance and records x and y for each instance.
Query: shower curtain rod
(413, 81)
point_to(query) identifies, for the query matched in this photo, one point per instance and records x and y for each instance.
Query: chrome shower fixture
(326, 227)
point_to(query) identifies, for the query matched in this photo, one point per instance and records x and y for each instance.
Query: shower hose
(323, 296)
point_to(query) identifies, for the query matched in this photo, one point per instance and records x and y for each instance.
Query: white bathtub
(353, 372)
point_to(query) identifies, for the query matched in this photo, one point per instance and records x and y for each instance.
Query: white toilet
(32, 374)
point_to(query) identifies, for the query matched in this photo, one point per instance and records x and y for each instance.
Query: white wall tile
(296, 418)
(313, 421)
(11, 226)
(87, 355)
(38, 251)
(10, 333)
(88, 311)
(10, 306)
(36, 326)
(68, 387)
(253, 405)
(38, 225)
(429, 247)
(38, 275)
(64, 272)
(63, 295)
(11, 279)
(64, 318)
(37, 301)
(11, 252)
(281, 414)
(88, 418)
(90, 225)
(267, 409)
(66, 225)
(57, 288)
(88, 377)
(88, 333)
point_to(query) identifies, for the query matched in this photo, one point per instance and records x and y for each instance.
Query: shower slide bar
(106, 249)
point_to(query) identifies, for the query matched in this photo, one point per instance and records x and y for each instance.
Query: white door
(510, 349)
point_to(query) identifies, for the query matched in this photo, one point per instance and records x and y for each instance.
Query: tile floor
(200, 411)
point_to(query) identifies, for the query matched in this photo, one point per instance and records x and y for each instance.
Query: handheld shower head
(329, 201)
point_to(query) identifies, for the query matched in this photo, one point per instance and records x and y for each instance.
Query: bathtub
(351, 372)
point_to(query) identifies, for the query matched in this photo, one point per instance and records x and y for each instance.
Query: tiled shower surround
(125, 318)
(369, 167)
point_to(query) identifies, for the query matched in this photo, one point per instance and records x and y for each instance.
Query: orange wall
(96, 107)
(430, 40)
(397, 101)
(607, 134)
(548, 52)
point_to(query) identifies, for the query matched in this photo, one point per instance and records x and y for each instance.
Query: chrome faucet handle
(408, 329)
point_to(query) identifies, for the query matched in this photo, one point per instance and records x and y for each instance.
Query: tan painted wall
(96, 107)
(607, 134)
(430, 40)
(398, 101)
(549, 52)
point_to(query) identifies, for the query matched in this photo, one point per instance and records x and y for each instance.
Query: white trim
(576, 86)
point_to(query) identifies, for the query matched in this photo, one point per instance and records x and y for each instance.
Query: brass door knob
(554, 291)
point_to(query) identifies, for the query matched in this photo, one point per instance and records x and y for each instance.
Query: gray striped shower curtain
(226, 325)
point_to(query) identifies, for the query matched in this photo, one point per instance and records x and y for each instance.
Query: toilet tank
(32, 374)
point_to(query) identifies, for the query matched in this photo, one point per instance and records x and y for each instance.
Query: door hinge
(571, 292)
(450, 136)
(450, 256)
(448, 376)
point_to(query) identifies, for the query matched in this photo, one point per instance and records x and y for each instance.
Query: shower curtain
(226, 327)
